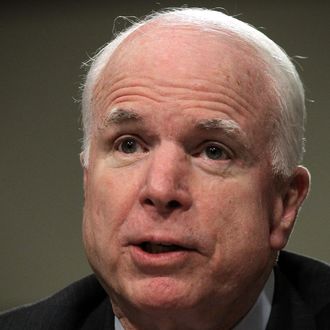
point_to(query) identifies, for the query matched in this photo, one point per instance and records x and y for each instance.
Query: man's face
(179, 192)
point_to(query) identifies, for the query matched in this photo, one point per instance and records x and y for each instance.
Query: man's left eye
(216, 152)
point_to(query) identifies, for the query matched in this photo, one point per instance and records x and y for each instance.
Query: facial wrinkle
(210, 99)
(206, 91)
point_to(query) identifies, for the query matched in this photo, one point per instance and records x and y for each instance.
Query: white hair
(287, 145)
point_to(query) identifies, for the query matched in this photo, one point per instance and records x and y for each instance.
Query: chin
(163, 293)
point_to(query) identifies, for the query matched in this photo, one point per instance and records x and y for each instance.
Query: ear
(85, 169)
(287, 207)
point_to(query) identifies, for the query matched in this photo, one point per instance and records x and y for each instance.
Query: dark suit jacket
(301, 302)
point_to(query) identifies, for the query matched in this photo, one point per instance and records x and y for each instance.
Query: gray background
(42, 47)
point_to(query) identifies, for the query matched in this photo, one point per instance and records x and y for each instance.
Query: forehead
(187, 58)
(182, 49)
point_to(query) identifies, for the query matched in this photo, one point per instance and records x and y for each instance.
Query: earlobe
(292, 197)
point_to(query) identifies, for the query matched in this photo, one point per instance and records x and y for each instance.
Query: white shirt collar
(258, 316)
(118, 325)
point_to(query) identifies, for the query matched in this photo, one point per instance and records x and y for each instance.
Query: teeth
(159, 248)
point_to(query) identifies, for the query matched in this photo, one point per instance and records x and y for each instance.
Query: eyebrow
(119, 116)
(229, 127)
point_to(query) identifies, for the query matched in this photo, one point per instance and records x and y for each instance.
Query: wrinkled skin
(156, 176)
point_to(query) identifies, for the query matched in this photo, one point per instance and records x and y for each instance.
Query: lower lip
(150, 262)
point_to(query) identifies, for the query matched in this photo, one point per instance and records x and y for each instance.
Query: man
(193, 126)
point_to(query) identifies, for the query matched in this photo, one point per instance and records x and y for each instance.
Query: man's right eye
(129, 145)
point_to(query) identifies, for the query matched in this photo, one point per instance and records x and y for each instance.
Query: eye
(216, 152)
(129, 145)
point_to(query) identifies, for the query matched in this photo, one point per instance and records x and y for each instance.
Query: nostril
(164, 206)
(173, 204)
(148, 202)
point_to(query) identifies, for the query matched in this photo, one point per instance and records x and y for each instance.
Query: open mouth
(155, 248)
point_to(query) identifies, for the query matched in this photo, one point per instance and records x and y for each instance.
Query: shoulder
(309, 280)
(70, 308)
(310, 277)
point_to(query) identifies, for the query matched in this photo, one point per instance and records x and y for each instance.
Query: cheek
(237, 217)
(111, 194)
(107, 203)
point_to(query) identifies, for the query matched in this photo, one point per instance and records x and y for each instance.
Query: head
(193, 136)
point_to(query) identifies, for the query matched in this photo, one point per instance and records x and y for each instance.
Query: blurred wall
(42, 47)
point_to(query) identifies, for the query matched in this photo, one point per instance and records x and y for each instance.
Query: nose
(166, 187)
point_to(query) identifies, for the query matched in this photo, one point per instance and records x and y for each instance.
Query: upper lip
(163, 240)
